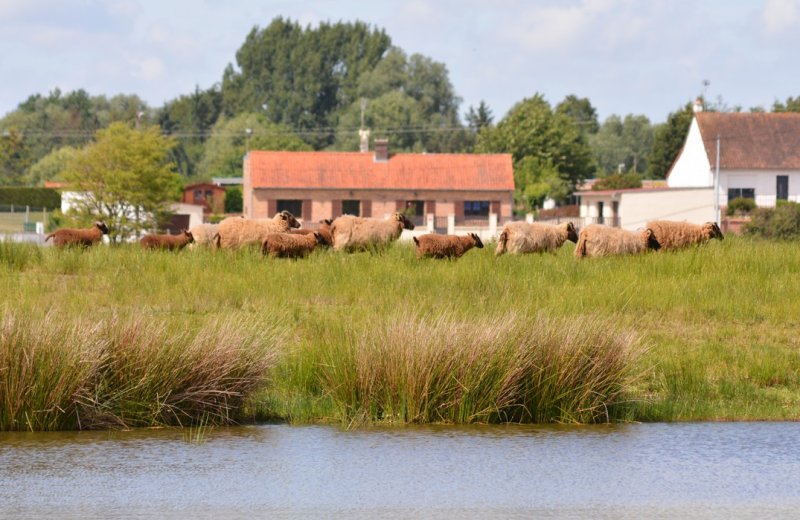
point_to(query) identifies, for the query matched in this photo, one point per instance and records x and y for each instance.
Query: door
(782, 187)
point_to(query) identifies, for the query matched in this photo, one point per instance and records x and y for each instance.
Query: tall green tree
(126, 178)
(232, 138)
(792, 104)
(543, 142)
(582, 111)
(51, 166)
(624, 143)
(479, 118)
(14, 158)
(668, 138)
(302, 77)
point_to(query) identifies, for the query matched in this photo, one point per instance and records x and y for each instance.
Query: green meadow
(117, 337)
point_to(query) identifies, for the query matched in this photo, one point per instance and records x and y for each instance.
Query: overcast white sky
(627, 56)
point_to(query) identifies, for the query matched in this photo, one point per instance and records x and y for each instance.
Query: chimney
(381, 150)
(698, 105)
(363, 137)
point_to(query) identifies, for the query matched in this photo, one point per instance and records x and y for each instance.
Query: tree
(232, 138)
(234, 203)
(480, 118)
(124, 177)
(542, 141)
(622, 142)
(51, 166)
(14, 158)
(668, 139)
(791, 105)
(582, 111)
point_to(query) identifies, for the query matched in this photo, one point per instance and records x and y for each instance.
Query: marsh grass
(711, 331)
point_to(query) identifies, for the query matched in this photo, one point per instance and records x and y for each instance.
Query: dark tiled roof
(765, 141)
(355, 170)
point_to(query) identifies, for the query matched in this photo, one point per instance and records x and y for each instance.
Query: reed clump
(128, 371)
(510, 368)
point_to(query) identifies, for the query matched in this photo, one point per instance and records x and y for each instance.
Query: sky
(645, 57)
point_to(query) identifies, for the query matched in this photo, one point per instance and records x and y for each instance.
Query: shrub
(740, 206)
(33, 197)
(618, 181)
(781, 222)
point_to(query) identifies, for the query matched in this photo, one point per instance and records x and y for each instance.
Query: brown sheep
(358, 234)
(675, 235)
(290, 245)
(521, 237)
(79, 237)
(169, 242)
(235, 232)
(324, 230)
(599, 240)
(446, 246)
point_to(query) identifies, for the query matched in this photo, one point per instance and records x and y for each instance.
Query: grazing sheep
(290, 245)
(169, 242)
(675, 235)
(521, 237)
(79, 237)
(324, 230)
(599, 240)
(357, 233)
(235, 232)
(204, 234)
(446, 246)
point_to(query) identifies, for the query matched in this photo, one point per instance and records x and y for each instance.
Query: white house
(759, 156)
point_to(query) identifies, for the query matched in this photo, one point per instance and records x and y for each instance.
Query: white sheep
(675, 235)
(235, 232)
(291, 245)
(79, 237)
(204, 234)
(357, 233)
(521, 237)
(446, 246)
(168, 242)
(599, 240)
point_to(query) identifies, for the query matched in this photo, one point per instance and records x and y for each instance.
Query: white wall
(694, 205)
(194, 211)
(763, 181)
(692, 169)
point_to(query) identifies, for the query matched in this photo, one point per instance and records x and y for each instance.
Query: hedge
(34, 197)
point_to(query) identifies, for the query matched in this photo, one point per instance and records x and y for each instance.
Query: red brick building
(210, 196)
(319, 185)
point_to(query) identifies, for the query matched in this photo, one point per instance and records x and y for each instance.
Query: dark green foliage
(233, 200)
(582, 111)
(740, 206)
(667, 142)
(33, 197)
(791, 105)
(781, 222)
(618, 181)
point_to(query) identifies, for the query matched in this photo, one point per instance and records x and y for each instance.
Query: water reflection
(707, 470)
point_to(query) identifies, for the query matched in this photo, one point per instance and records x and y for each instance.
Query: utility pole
(717, 216)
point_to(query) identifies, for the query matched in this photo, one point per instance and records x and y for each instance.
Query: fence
(23, 219)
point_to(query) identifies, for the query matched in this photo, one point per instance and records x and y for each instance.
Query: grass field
(116, 336)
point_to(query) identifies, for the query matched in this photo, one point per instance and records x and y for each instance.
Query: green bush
(618, 181)
(781, 222)
(33, 197)
(740, 206)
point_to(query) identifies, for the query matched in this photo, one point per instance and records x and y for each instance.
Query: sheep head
(101, 226)
(321, 239)
(650, 240)
(188, 235)
(477, 240)
(288, 217)
(407, 224)
(712, 230)
(572, 233)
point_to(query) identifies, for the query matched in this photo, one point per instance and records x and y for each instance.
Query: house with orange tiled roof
(319, 185)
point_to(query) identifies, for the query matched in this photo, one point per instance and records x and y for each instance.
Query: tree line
(312, 88)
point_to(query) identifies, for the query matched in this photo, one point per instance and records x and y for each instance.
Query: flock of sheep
(281, 236)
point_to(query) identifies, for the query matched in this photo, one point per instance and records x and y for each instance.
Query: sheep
(324, 230)
(235, 232)
(675, 235)
(290, 245)
(203, 234)
(599, 240)
(357, 233)
(446, 246)
(79, 237)
(169, 242)
(521, 237)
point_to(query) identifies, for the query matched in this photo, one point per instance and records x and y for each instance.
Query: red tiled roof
(760, 141)
(356, 170)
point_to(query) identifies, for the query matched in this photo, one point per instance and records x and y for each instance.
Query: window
(198, 195)
(295, 207)
(782, 187)
(415, 208)
(744, 193)
(209, 194)
(351, 207)
(476, 208)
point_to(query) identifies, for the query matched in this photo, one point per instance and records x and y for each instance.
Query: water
(704, 470)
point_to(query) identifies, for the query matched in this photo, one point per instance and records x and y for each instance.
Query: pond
(695, 470)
